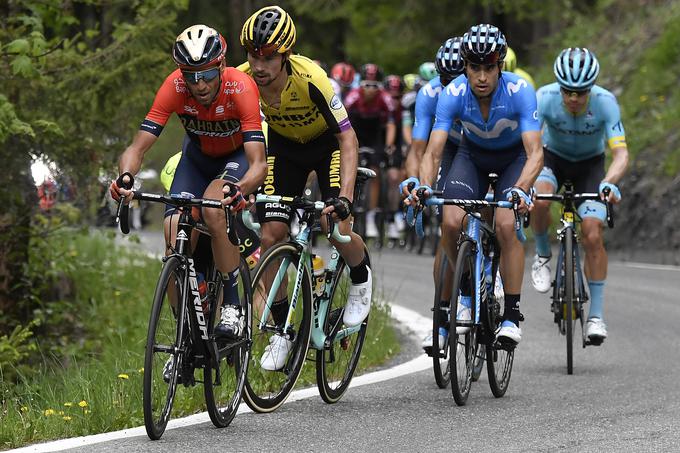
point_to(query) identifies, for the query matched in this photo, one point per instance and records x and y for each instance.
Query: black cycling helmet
(449, 61)
(484, 44)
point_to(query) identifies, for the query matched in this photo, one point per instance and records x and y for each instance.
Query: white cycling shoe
(540, 274)
(463, 313)
(276, 353)
(358, 302)
(509, 332)
(596, 331)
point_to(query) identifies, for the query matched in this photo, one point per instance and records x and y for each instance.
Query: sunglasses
(194, 77)
(570, 93)
(369, 84)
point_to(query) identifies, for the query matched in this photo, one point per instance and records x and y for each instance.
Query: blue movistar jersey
(426, 108)
(582, 136)
(512, 112)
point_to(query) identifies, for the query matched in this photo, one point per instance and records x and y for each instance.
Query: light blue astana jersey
(426, 108)
(512, 112)
(582, 136)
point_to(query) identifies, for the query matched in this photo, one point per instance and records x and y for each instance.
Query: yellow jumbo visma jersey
(308, 106)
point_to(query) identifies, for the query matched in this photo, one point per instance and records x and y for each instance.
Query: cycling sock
(511, 311)
(230, 288)
(279, 311)
(542, 244)
(596, 298)
(359, 273)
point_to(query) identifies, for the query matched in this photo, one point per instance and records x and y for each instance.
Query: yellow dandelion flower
(643, 98)
(24, 409)
(49, 412)
(123, 376)
(83, 403)
(141, 370)
(68, 404)
(66, 417)
(86, 411)
(116, 293)
(61, 412)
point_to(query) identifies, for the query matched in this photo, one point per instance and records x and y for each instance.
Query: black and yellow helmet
(267, 31)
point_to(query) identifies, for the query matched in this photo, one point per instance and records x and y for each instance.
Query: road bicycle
(311, 316)
(185, 311)
(472, 279)
(569, 295)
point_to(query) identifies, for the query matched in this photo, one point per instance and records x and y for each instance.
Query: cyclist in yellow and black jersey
(308, 131)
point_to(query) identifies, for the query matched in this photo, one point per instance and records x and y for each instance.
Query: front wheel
(569, 296)
(463, 346)
(440, 320)
(277, 356)
(224, 375)
(335, 364)
(163, 358)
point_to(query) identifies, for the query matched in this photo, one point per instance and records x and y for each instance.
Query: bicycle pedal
(594, 341)
(505, 343)
(428, 351)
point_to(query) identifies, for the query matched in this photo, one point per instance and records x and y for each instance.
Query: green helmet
(510, 61)
(427, 71)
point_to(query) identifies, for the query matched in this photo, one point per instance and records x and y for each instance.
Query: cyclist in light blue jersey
(579, 120)
(501, 134)
(449, 65)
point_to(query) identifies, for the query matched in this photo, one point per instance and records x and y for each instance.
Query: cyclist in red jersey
(223, 151)
(372, 113)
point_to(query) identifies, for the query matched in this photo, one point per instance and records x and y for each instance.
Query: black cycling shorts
(289, 164)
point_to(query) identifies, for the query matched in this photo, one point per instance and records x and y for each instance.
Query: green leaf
(20, 46)
(23, 66)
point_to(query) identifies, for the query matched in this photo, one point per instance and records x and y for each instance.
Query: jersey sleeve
(448, 106)
(168, 100)
(424, 117)
(329, 104)
(541, 102)
(248, 104)
(390, 108)
(616, 135)
(525, 98)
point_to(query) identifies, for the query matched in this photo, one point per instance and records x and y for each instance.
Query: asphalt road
(623, 395)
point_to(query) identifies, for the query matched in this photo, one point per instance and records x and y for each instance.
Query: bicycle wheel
(224, 375)
(276, 273)
(440, 318)
(163, 344)
(336, 364)
(463, 346)
(569, 296)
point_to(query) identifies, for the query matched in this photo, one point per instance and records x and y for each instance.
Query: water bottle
(319, 275)
(202, 291)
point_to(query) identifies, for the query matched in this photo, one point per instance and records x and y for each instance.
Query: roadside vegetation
(76, 369)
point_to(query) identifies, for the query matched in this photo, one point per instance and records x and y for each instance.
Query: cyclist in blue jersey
(449, 65)
(579, 118)
(501, 134)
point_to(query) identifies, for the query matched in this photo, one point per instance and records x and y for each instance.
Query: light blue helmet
(576, 68)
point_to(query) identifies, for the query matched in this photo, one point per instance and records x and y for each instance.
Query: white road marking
(419, 324)
(654, 267)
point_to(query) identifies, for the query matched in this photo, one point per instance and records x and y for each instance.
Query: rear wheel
(440, 319)
(569, 296)
(225, 374)
(463, 347)
(336, 364)
(163, 347)
(274, 281)
(499, 359)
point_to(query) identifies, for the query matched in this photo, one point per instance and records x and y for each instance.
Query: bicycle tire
(463, 347)
(265, 390)
(440, 360)
(163, 335)
(569, 296)
(224, 376)
(335, 366)
(498, 360)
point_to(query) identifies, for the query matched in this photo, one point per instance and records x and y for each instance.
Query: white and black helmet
(484, 44)
(576, 69)
(449, 61)
(199, 47)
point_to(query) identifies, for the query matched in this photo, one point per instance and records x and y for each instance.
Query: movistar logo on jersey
(454, 90)
(431, 91)
(497, 130)
(513, 88)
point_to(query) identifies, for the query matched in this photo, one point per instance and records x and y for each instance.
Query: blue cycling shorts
(468, 177)
(195, 170)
